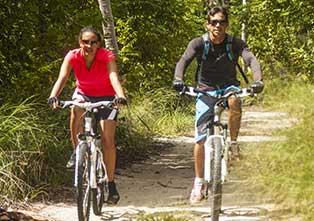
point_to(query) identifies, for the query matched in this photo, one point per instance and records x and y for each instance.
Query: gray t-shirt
(217, 71)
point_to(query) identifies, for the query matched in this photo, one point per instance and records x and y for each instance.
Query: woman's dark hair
(90, 29)
(215, 10)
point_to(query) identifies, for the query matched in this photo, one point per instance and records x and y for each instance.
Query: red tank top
(95, 80)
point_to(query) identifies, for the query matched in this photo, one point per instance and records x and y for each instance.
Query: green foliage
(277, 34)
(152, 36)
(34, 35)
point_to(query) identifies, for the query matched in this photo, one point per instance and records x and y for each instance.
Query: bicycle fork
(209, 156)
(93, 154)
(94, 165)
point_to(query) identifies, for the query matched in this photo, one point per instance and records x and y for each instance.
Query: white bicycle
(216, 148)
(90, 171)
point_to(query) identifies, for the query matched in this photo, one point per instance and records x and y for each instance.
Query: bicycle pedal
(102, 180)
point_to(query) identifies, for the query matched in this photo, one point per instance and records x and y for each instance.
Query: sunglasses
(89, 42)
(214, 22)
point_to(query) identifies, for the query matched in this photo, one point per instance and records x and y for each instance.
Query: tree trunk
(243, 35)
(108, 27)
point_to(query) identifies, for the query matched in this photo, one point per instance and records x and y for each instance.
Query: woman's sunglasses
(89, 42)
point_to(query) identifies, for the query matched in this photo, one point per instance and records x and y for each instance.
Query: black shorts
(103, 113)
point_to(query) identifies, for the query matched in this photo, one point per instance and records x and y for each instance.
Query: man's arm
(186, 59)
(251, 61)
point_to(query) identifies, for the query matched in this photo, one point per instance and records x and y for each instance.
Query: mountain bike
(216, 148)
(90, 178)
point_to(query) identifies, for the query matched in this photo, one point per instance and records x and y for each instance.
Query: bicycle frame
(92, 138)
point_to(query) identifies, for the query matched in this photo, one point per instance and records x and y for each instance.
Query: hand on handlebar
(178, 85)
(53, 101)
(120, 101)
(257, 86)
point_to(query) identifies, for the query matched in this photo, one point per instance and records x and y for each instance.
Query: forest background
(151, 35)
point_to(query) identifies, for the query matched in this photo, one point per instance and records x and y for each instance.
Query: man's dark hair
(215, 10)
(90, 29)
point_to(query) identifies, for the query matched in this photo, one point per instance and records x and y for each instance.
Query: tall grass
(23, 141)
(163, 112)
(285, 169)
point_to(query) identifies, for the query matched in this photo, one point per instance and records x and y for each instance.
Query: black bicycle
(91, 179)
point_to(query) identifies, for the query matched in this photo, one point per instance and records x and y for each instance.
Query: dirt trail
(163, 183)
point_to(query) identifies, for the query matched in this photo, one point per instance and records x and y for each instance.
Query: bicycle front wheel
(217, 182)
(83, 187)
(99, 193)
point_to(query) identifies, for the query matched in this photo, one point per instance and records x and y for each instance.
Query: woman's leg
(108, 128)
(75, 127)
(76, 124)
(110, 154)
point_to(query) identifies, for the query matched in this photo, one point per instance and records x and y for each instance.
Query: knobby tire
(98, 194)
(217, 182)
(83, 188)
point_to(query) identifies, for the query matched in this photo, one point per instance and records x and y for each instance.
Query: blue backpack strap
(229, 47)
(231, 57)
(204, 56)
(206, 47)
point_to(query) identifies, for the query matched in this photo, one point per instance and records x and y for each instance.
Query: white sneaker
(235, 151)
(197, 194)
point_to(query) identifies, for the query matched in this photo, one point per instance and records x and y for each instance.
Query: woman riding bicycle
(97, 79)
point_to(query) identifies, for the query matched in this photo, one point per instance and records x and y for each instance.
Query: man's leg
(234, 122)
(204, 112)
(110, 154)
(199, 158)
(197, 192)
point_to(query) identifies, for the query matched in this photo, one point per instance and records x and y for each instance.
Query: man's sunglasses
(214, 22)
(89, 42)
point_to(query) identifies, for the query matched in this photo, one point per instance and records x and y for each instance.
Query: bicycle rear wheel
(217, 182)
(98, 194)
(83, 187)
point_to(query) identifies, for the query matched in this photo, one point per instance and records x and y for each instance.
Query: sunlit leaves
(281, 31)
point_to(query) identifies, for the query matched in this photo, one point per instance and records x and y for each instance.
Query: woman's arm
(114, 79)
(62, 79)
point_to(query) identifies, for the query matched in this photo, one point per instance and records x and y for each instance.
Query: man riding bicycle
(97, 79)
(216, 71)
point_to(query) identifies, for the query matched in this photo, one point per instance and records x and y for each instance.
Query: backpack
(228, 52)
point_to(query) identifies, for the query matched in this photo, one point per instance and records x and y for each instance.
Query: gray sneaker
(71, 162)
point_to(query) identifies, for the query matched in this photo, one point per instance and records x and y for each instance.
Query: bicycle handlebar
(87, 105)
(239, 93)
